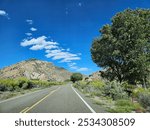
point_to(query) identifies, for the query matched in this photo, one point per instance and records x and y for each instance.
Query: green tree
(76, 77)
(123, 47)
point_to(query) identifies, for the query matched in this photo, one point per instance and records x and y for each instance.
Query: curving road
(56, 99)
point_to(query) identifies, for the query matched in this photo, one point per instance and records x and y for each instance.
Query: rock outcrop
(35, 69)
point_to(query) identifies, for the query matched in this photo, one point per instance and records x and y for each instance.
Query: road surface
(56, 99)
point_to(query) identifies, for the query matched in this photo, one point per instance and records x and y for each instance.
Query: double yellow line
(29, 108)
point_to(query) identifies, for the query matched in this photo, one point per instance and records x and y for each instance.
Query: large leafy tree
(76, 77)
(123, 47)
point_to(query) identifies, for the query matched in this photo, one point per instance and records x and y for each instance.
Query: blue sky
(58, 31)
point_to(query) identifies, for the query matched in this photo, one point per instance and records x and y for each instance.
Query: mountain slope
(94, 76)
(35, 69)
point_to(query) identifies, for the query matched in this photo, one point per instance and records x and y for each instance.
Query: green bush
(80, 85)
(123, 102)
(38, 83)
(23, 83)
(123, 106)
(144, 99)
(97, 84)
(115, 91)
(87, 87)
(2, 87)
(137, 91)
(25, 86)
(7, 84)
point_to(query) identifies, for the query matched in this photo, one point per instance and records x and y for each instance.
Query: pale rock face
(94, 76)
(27, 74)
(35, 69)
(35, 75)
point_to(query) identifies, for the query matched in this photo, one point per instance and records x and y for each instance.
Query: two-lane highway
(56, 99)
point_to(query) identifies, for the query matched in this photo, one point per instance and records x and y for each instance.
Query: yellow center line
(29, 108)
(24, 109)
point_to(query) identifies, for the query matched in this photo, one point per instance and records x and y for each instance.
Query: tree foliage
(123, 47)
(76, 77)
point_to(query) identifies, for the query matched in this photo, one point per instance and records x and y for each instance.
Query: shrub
(21, 81)
(115, 91)
(123, 102)
(2, 87)
(123, 106)
(7, 85)
(38, 83)
(97, 84)
(80, 85)
(144, 99)
(25, 86)
(137, 91)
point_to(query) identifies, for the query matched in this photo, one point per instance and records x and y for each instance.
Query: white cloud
(82, 69)
(3, 13)
(54, 50)
(37, 47)
(28, 34)
(69, 59)
(29, 21)
(51, 47)
(74, 66)
(58, 54)
(33, 29)
(33, 41)
(38, 43)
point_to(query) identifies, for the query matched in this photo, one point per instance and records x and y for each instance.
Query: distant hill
(35, 69)
(94, 76)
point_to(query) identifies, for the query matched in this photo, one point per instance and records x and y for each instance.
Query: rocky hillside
(35, 69)
(94, 76)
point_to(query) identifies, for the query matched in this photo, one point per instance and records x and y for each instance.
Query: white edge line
(91, 109)
(22, 95)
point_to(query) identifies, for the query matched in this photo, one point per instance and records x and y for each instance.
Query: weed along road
(56, 99)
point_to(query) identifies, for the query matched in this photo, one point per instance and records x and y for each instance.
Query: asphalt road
(56, 99)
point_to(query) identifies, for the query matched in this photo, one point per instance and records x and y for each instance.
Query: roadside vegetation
(116, 97)
(76, 77)
(14, 87)
(123, 51)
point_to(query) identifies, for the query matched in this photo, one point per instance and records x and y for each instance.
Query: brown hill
(35, 69)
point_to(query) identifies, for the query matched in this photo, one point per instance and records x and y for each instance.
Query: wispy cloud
(3, 13)
(33, 29)
(52, 49)
(82, 69)
(28, 34)
(29, 21)
(62, 55)
(74, 66)
(38, 43)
